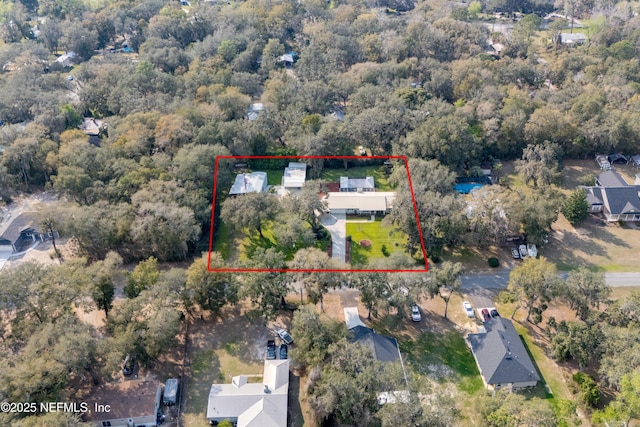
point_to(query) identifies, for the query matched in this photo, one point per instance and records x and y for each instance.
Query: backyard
(382, 241)
(379, 174)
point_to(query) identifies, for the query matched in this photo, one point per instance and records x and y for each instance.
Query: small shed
(635, 160)
(618, 158)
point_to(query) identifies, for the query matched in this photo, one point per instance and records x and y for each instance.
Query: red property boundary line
(287, 270)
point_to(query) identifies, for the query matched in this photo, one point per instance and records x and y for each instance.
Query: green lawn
(432, 350)
(377, 172)
(550, 373)
(274, 177)
(253, 241)
(222, 240)
(378, 235)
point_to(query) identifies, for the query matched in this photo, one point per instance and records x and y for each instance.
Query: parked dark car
(485, 314)
(494, 313)
(271, 350)
(284, 350)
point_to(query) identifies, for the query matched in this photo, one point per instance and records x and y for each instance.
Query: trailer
(170, 396)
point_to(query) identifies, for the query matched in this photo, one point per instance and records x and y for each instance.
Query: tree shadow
(296, 417)
(359, 255)
(542, 389)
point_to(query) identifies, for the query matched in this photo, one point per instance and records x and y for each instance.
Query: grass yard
(218, 350)
(594, 243)
(252, 241)
(377, 172)
(378, 235)
(274, 177)
(444, 357)
(223, 241)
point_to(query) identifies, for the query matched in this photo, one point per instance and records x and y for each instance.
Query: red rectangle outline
(282, 270)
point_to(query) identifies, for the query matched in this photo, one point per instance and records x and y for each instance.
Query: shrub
(493, 262)
(589, 392)
(384, 250)
(576, 207)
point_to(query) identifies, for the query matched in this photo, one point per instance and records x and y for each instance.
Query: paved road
(481, 288)
(500, 279)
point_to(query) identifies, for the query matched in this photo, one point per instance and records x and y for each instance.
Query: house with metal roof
(254, 182)
(262, 404)
(294, 175)
(501, 357)
(617, 200)
(357, 184)
(360, 203)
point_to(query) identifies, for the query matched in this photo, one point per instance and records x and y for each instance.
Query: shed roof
(636, 159)
(500, 354)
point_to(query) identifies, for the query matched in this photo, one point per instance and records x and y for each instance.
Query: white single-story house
(357, 184)
(66, 59)
(254, 182)
(254, 111)
(248, 404)
(360, 203)
(501, 357)
(571, 38)
(294, 175)
(617, 200)
(136, 403)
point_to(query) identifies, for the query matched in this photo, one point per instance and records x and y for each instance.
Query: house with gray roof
(253, 404)
(357, 184)
(617, 200)
(501, 356)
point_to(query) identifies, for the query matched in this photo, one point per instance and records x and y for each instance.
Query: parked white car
(415, 313)
(523, 251)
(532, 251)
(468, 309)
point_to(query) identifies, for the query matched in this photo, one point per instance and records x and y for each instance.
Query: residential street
(481, 288)
(501, 279)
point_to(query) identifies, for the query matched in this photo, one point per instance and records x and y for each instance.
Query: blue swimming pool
(467, 187)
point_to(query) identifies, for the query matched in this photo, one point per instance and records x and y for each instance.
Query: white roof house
(254, 182)
(294, 175)
(67, 58)
(254, 111)
(253, 404)
(350, 202)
